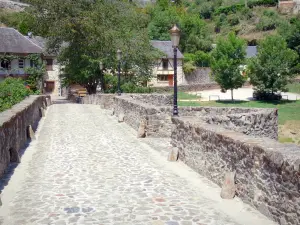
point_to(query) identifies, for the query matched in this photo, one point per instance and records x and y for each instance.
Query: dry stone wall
(106, 101)
(267, 172)
(14, 125)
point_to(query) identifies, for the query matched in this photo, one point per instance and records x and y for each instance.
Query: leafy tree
(89, 31)
(228, 55)
(271, 70)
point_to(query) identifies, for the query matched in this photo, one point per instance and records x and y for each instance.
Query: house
(52, 84)
(163, 70)
(14, 49)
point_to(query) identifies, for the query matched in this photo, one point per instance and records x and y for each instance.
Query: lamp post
(175, 37)
(119, 56)
(101, 76)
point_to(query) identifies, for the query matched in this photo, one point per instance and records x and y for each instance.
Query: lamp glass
(119, 55)
(175, 36)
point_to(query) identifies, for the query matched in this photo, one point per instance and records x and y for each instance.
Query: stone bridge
(84, 167)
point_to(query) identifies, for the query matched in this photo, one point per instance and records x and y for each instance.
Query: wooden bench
(80, 93)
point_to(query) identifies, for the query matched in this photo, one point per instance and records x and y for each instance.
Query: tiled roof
(12, 41)
(166, 47)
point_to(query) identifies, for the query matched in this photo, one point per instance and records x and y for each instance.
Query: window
(165, 63)
(5, 65)
(162, 77)
(49, 64)
(21, 63)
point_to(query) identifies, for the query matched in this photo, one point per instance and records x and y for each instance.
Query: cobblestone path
(85, 168)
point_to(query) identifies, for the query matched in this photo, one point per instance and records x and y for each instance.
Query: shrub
(233, 20)
(229, 9)
(12, 91)
(202, 59)
(266, 96)
(266, 23)
(246, 13)
(131, 87)
(189, 67)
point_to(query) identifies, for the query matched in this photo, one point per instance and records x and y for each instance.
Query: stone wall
(106, 101)
(200, 76)
(14, 125)
(267, 172)
(135, 109)
(157, 111)
(250, 121)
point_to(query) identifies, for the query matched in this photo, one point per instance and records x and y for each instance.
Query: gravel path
(85, 168)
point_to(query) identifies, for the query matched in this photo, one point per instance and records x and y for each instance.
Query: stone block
(42, 111)
(142, 129)
(121, 118)
(173, 155)
(228, 188)
(31, 133)
(48, 101)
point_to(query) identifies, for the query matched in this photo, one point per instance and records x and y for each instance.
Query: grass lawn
(186, 96)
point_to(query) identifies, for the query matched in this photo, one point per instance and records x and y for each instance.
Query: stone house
(13, 43)
(163, 70)
(52, 83)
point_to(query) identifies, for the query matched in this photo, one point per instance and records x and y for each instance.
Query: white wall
(54, 76)
(159, 70)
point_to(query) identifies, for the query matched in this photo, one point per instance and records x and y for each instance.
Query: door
(49, 86)
(170, 79)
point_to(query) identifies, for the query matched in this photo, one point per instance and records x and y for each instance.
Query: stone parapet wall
(267, 172)
(14, 125)
(158, 119)
(106, 101)
(250, 121)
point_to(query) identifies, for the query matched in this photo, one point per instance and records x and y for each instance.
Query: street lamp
(119, 56)
(175, 37)
(101, 76)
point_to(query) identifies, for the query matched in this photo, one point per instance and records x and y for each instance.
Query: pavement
(243, 94)
(86, 168)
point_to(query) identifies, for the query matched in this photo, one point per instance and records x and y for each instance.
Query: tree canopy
(86, 32)
(226, 60)
(271, 70)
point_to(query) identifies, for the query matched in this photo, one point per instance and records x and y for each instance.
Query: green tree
(271, 70)
(226, 58)
(89, 31)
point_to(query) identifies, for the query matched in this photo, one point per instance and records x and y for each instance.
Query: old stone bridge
(84, 167)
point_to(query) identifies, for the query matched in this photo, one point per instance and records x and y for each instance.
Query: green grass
(294, 87)
(285, 140)
(186, 96)
(287, 110)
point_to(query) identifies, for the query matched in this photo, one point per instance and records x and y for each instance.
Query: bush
(233, 20)
(189, 67)
(266, 23)
(229, 9)
(133, 88)
(12, 91)
(266, 96)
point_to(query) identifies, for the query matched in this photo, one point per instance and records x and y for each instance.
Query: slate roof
(12, 41)
(251, 51)
(42, 42)
(166, 47)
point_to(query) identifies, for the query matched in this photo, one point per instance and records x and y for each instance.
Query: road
(85, 168)
(243, 94)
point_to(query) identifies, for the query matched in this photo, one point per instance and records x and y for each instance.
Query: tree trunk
(91, 88)
(231, 94)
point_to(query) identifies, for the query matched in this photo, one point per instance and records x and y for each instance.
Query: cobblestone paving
(88, 169)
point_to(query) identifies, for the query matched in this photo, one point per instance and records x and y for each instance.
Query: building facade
(14, 49)
(163, 71)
